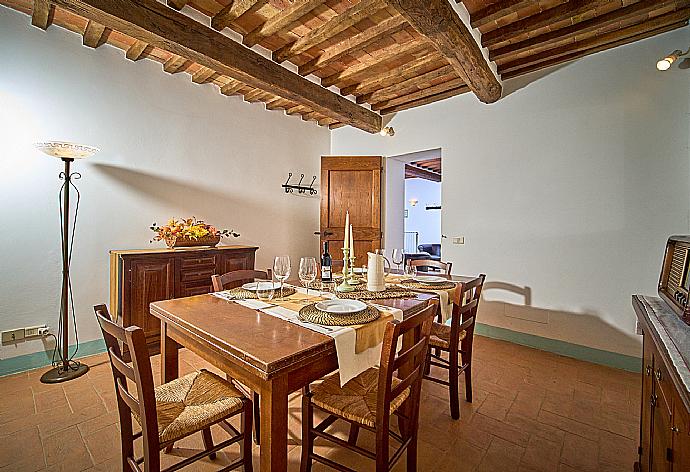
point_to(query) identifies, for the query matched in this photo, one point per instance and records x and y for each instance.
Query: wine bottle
(326, 264)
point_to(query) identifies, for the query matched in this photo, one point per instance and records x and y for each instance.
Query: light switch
(459, 240)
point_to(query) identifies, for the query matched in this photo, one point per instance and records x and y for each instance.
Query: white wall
(169, 148)
(565, 190)
(426, 222)
(394, 205)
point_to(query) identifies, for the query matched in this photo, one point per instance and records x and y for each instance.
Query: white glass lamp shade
(666, 62)
(65, 150)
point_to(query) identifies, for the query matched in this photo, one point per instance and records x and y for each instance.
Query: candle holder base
(345, 287)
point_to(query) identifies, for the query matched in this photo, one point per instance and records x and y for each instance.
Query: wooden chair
(231, 280)
(456, 340)
(443, 266)
(369, 400)
(237, 277)
(164, 412)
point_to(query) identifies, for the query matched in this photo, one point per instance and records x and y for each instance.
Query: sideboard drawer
(197, 274)
(198, 262)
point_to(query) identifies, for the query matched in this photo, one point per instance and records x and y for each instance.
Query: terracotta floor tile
(509, 426)
(580, 453)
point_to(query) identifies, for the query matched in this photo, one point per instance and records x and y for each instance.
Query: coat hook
(290, 188)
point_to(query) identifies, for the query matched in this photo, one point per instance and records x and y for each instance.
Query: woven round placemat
(364, 294)
(311, 314)
(240, 293)
(423, 286)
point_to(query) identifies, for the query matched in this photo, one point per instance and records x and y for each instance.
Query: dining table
(271, 356)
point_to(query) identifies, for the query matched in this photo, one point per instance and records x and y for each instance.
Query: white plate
(341, 307)
(430, 279)
(252, 286)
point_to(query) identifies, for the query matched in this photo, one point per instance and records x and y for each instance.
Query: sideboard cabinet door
(646, 414)
(237, 260)
(150, 280)
(681, 436)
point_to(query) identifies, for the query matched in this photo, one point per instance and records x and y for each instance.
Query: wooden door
(351, 183)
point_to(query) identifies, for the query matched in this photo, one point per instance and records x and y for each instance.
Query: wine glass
(281, 269)
(307, 271)
(411, 270)
(265, 290)
(398, 257)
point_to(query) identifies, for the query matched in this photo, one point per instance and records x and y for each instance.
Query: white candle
(352, 243)
(346, 239)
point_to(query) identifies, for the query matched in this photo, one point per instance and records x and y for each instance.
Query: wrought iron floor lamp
(64, 366)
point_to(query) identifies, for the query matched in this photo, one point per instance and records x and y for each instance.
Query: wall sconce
(413, 201)
(387, 131)
(666, 62)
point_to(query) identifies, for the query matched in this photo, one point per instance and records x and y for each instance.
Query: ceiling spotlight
(387, 131)
(666, 62)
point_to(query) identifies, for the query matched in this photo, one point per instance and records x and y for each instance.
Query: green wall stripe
(576, 351)
(35, 360)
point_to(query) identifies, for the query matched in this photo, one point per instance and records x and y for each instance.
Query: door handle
(325, 233)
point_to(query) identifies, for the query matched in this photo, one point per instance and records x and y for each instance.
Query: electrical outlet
(459, 240)
(33, 331)
(12, 336)
(43, 331)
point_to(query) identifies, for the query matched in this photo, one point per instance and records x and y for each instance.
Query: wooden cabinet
(139, 277)
(665, 417)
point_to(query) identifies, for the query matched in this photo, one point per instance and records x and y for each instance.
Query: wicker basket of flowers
(189, 232)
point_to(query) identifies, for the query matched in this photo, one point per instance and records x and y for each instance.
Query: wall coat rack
(290, 188)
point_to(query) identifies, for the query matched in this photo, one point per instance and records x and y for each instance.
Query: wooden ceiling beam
(498, 10)
(329, 29)
(177, 4)
(596, 41)
(579, 54)
(391, 77)
(402, 87)
(442, 26)
(413, 171)
(202, 75)
(234, 10)
(281, 21)
(382, 56)
(542, 41)
(42, 14)
(138, 50)
(572, 10)
(355, 43)
(422, 93)
(231, 88)
(163, 27)
(426, 101)
(95, 34)
(176, 64)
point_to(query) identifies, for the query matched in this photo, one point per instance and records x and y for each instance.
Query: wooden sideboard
(665, 415)
(139, 277)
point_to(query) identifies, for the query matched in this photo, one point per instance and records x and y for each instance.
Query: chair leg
(307, 439)
(427, 364)
(412, 455)
(246, 446)
(257, 418)
(468, 382)
(454, 387)
(208, 442)
(354, 432)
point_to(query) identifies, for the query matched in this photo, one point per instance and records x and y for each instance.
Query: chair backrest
(408, 363)
(465, 305)
(141, 403)
(238, 277)
(444, 266)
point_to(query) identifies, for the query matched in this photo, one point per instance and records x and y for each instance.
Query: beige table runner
(445, 295)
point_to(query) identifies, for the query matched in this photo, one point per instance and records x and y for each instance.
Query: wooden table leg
(274, 425)
(169, 356)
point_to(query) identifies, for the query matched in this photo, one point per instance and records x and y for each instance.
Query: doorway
(413, 204)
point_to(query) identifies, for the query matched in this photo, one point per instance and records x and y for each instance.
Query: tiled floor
(533, 411)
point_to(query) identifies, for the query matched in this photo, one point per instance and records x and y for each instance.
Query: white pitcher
(376, 276)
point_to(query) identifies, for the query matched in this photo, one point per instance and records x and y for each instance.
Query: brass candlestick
(353, 280)
(345, 285)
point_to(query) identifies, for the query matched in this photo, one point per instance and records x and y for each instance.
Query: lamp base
(57, 374)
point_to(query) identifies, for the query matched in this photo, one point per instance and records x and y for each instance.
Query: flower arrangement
(189, 232)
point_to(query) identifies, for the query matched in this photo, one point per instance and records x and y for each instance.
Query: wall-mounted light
(387, 131)
(413, 201)
(666, 62)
